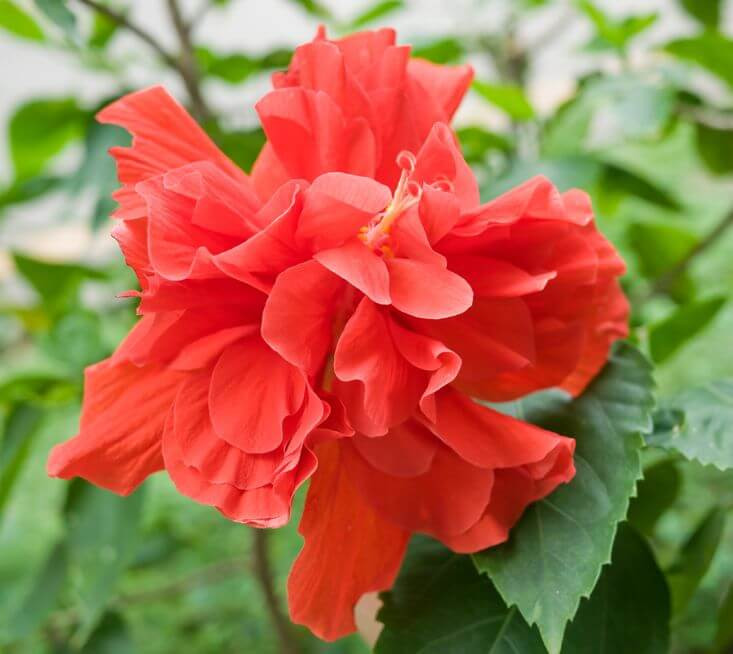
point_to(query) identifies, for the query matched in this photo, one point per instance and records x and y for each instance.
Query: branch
(263, 571)
(186, 63)
(668, 279)
(707, 116)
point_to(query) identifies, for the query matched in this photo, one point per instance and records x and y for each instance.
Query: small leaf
(103, 31)
(442, 51)
(630, 606)
(42, 596)
(314, 8)
(103, 534)
(669, 335)
(710, 50)
(698, 424)
(508, 97)
(477, 143)
(616, 33)
(58, 13)
(654, 495)
(377, 11)
(716, 148)
(441, 605)
(16, 21)
(39, 130)
(705, 11)
(693, 561)
(236, 68)
(555, 553)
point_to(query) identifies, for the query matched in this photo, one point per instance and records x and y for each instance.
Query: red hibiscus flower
(337, 317)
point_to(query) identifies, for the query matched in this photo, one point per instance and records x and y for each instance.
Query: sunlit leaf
(555, 553)
(442, 51)
(375, 12)
(670, 334)
(613, 32)
(14, 20)
(705, 11)
(236, 68)
(507, 97)
(711, 50)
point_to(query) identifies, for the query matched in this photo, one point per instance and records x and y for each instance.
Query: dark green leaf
(42, 596)
(110, 637)
(39, 130)
(706, 11)
(16, 21)
(507, 97)
(620, 180)
(442, 51)
(477, 143)
(698, 423)
(556, 552)
(629, 608)
(654, 495)
(669, 335)
(56, 283)
(694, 559)
(711, 50)
(441, 605)
(716, 148)
(19, 429)
(724, 633)
(377, 11)
(102, 539)
(58, 13)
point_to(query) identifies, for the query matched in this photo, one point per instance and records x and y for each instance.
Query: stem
(263, 571)
(667, 280)
(186, 63)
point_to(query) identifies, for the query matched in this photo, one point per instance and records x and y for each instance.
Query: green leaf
(441, 605)
(42, 596)
(508, 97)
(694, 559)
(701, 424)
(710, 50)
(442, 51)
(655, 494)
(477, 143)
(375, 12)
(110, 637)
(39, 130)
(314, 8)
(56, 283)
(555, 553)
(19, 429)
(58, 13)
(616, 33)
(236, 68)
(103, 31)
(669, 335)
(705, 11)
(103, 534)
(724, 633)
(629, 608)
(25, 190)
(716, 148)
(241, 146)
(617, 180)
(76, 339)
(16, 21)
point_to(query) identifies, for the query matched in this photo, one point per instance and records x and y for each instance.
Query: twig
(706, 116)
(667, 280)
(186, 62)
(263, 571)
(198, 15)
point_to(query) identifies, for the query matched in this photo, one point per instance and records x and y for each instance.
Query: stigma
(375, 235)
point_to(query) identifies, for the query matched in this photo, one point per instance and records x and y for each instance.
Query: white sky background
(29, 71)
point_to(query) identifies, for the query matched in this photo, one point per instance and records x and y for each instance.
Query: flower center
(376, 234)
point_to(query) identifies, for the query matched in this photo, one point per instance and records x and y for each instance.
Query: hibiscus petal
(349, 550)
(427, 291)
(447, 84)
(447, 500)
(359, 266)
(121, 424)
(305, 295)
(407, 450)
(253, 390)
(490, 277)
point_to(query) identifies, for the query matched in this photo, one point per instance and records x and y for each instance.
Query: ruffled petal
(119, 440)
(349, 550)
(306, 296)
(446, 84)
